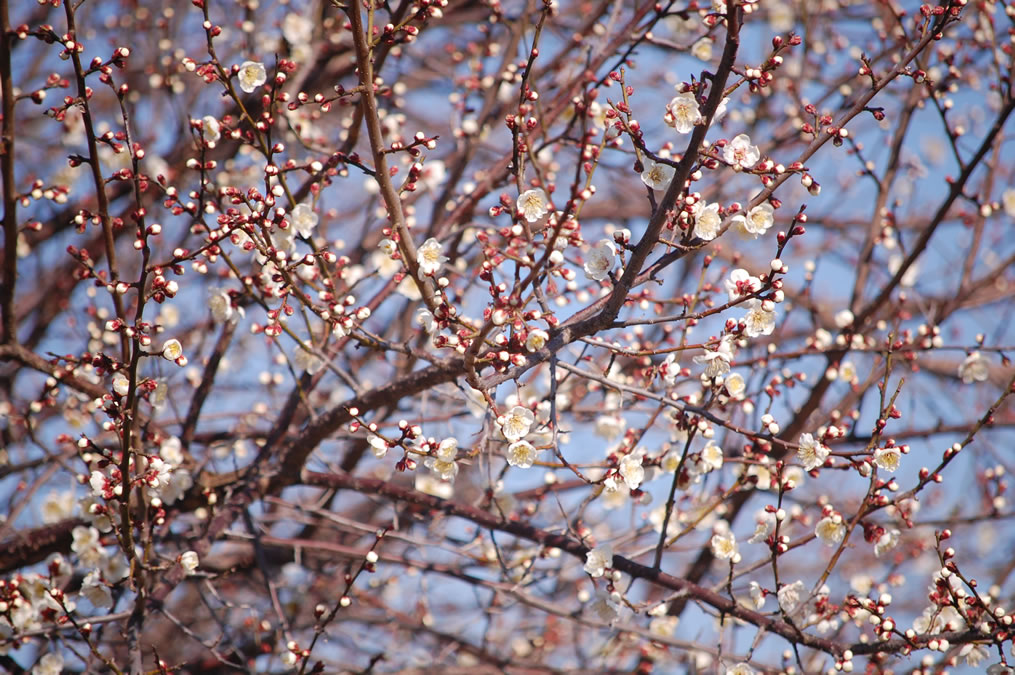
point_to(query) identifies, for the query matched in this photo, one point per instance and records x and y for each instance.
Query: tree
(526, 336)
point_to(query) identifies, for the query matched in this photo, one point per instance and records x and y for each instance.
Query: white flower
(682, 113)
(757, 221)
(830, 530)
(702, 49)
(712, 456)
(189, 561)
(740, 284)
(212, 128)
(888, 458)
(974, 368)
(306, 360)
(296, 28)
(58, 505)
(121, 385)
(447, 450)
(516, 423)
(251, 75)
(811, 453)
(735, 385)
(425, 319)
(724, 545)
(670, 369)
(378, 446)
(221, 305)
(433, 174)
(50, 664)
(447, 469)
(740, 669)
(843, 318)
(600, 260)
(429, 258)
(763, 527)
(427, 484)
(789, 596)
(521, 454)
(536, 340)
(758, 320)
(610, 426)
(707, 222)
(974, 653)
(598, 559)
(717, 362)
(605, 608)
(757, 595)
(1008, 200)
(597, 113)
(172, 350)
(387, 247)
(97, 592)
(886, 542)
(720, 111)
(740, 154)
(657, 175)
(632, 471)
(533, 204)
(304, 219)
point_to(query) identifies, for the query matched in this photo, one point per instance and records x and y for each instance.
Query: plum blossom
(95, 591)
(632, 471)
(221, 305)
(296, 28)
(789, 596)
(757, 221)
(516, 423)
(712, 456)
(533, 204)
(741, 668)
(888, 458)
(251, 75)
(50, 664)
(759, 320)
(610, 426)
(811, 452)
(211, 128)
(740, 154)
(702, 49)
(304, 220)
(1008, 201)
(521, 454)
(717, 361)
(670, 369)
(425, 319)
(433, 174)
(172, 349)
(600, 260)
(830, 530)
(444, 464)
(707, 222)
(536, 340)
(598, 559)
(886, 542)
(189, 561)
(974, 369)
(429, 258)
(682, 113)
(657, 175)
(724, 545)
(740, 284)
(735, 385)
(757, 595)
